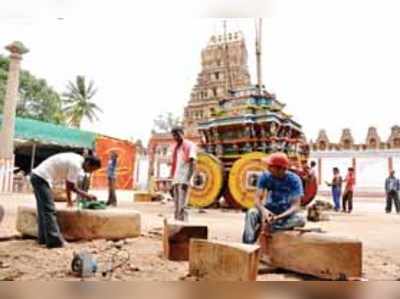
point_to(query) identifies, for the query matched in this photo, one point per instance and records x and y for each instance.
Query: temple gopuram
(373, 158)
(223, 66)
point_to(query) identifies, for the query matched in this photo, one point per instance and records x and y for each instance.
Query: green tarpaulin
(42, 132)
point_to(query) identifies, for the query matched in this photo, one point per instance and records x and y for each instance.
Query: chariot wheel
(207, 182)
(243, 178)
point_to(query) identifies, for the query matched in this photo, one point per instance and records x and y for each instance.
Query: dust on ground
(22, 259)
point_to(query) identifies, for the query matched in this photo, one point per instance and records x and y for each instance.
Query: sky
(335, 63)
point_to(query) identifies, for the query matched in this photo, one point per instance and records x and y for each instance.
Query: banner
(126, 152)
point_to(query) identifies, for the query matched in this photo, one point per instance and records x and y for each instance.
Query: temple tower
(373, 140)
(224, 68)
(322, 143)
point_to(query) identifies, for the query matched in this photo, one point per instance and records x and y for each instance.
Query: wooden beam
(221, 261)
(142, 196)
(177, 236)
(318, 254)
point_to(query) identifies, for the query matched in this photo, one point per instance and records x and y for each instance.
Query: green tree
(165, 122)
(78, 102)
(36, 99)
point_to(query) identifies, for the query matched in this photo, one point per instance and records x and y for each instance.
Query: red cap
(278, 160)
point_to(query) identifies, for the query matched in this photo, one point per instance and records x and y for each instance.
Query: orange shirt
(350, 182)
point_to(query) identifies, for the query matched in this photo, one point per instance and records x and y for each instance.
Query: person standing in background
(112, 177)
(392, 188)
(336, 186)
(349, 191)
(183, 165)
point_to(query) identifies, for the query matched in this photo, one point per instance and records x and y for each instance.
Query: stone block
(77, 225)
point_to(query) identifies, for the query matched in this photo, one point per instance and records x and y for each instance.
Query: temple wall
(396, 166)
(329, 163)
(371, 172)
(372, 168)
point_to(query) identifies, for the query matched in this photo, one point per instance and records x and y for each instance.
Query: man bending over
(61, 167)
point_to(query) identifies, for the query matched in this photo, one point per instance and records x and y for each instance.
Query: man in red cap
(277, 201)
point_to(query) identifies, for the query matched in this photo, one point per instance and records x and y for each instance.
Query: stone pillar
(319, 171)
(354, 165)
(152, 155)
(17, 49)
(158, 167)
(390, 164)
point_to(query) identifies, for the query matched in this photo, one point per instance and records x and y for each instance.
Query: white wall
(143, 172)
(329, 163)
(396, 166)
(371, 172)
(165, 170)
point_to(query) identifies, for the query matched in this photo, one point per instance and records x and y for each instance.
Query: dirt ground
(25, 260)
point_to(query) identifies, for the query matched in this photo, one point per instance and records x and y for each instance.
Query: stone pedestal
(78, 225)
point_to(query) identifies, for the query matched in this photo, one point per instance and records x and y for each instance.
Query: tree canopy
(37, 100)
(165, 122)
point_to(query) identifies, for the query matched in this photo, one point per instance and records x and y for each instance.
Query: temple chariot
(246, 126)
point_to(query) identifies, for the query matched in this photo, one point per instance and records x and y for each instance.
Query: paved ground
(25, 260)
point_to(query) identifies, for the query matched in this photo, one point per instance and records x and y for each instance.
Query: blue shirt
(392, 184)
(281, 192)
(111, 169)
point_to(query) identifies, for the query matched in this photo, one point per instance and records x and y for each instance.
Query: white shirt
(182, 167)
(61, 168)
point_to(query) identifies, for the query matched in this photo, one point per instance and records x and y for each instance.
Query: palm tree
(78, 102)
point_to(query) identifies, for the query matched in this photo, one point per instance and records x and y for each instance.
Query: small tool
(83, 264)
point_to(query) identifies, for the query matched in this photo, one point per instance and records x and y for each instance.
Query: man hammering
(277, 201)
(61, 167)
(183, 165)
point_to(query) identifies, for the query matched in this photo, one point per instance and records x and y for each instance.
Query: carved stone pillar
(7, 132)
